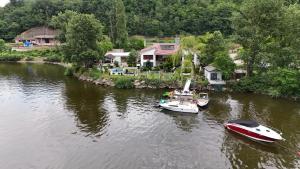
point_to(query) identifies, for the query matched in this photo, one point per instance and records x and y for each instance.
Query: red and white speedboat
(253, 130)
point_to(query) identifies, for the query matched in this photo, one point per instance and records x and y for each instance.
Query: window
(148, 57)
(213, 76)
(47, 41)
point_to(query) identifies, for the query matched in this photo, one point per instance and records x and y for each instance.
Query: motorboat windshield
(247, 123)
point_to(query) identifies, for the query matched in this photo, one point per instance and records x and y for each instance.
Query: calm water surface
(49, 121)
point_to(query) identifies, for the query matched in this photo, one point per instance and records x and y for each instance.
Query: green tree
(215, 45)
(255, 26)
(225, 64)
(131, 61)
(82, 34)
(190, 46)
(105, 45)
(118, 29)
(61, 21)
(3, 47)
(135, 43)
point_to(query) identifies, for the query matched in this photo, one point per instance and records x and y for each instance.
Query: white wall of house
(149, 52)
(121, 61)
(218, 80)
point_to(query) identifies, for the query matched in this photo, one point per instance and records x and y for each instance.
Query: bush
(152, 82)
(53, 58)
(186, 70)
(124, 82)
(69, 71)
(94, 73)
(135, 43)
(10, 56)
(167, 66)
(29, 58)
(156, 68)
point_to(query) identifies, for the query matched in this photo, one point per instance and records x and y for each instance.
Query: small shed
(213, 75)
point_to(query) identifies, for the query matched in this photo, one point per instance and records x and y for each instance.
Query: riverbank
(127, 81)
(268, 86)
(161, 81)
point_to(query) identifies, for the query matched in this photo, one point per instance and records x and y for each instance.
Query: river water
(49, 121)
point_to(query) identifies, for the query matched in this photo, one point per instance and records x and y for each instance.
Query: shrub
(53, 58)
(152, 82)
(69, 71)
(10, 57)
(135, 43)
(29, 58)
(94, 73)
(124, 82)
(131, 60)
(156, 68)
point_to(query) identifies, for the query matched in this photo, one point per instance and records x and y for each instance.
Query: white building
(118, 55)
(213, 76)
(157, 53)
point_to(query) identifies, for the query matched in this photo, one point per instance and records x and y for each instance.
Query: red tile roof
(163, 48)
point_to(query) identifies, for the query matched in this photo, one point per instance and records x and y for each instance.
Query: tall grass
(124, 82)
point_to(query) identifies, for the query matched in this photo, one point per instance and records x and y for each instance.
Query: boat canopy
(247, 123)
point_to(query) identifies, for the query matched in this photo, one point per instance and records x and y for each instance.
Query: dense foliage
(143, 17)
(132, 58)
(82, 34)
(279, 82)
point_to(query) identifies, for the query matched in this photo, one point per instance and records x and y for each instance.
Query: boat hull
(177, 107)
(202, 103)
(250, 134)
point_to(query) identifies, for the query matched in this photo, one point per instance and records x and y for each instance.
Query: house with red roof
(157, 53)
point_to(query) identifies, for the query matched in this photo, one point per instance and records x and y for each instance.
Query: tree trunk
(250, 65)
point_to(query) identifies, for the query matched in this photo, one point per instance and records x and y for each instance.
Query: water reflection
(41, 109)
(268, 112)
(239, 149)
(85, 101)
(186, 122)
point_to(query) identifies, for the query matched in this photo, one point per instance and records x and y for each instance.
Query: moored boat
(179, 106)
(253, 130)
(203, 100)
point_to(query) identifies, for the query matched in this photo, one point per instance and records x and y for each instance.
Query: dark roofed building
(41, 36)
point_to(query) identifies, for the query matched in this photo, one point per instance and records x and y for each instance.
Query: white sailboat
(186, 90)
